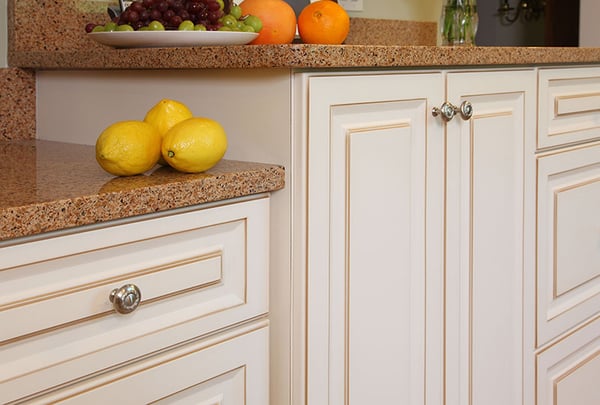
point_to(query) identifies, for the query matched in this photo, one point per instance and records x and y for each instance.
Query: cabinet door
(368, 143)
(485, 219)
(567, 371)
(568, 255)
(230, 368)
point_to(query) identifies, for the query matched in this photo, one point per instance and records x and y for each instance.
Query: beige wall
(417, 10)
(589, 32)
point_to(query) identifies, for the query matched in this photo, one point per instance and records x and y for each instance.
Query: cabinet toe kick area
(101, 298)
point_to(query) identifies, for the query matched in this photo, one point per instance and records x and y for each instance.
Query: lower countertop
(49, 186)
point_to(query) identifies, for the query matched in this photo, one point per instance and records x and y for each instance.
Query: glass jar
(458, 22)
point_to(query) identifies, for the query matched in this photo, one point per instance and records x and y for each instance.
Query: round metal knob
(125, 299)
(466, 110)
(447, 111)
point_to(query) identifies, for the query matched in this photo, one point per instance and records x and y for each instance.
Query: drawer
(569, 106)
(567, 371)
(568, 240)
(219, 370)
(198, 271)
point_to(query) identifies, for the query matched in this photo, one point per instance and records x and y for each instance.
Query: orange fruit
(323, 22)
(278, 20)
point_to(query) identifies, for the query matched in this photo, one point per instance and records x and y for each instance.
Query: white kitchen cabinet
(568, 106)
(412, 258)
(415, 249)
(568, 277)
(200, 272)
(567, 321)
(368, 158)
(489, 221)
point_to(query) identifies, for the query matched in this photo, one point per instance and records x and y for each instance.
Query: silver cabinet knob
(125, 299)
(447, 111)
(466, 110)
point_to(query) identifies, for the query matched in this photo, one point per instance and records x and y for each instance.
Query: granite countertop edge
(39, 218)
(112, 198)
(300, 56)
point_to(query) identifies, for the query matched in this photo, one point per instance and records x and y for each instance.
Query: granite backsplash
(17, 104)
(63, 23)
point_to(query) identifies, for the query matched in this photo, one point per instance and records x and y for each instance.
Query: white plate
(162, 39)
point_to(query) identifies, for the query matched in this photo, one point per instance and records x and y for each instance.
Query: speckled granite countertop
(301, 56)
(47, 186)
(372, 43)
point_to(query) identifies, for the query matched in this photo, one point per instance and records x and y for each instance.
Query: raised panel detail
(580, 386)
(568, 229)
(577, 234)
(567, 371)
(577, 104)
(366, 329)
(569, 106)
(384, 232)
(198, 271)
(485, 255)
(218, 370)
(193, 268)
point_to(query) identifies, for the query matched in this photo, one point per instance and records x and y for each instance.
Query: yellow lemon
(194, 145)
(127, 148)
(166, 113)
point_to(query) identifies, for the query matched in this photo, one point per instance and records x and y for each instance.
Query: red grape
(89, 27)
(170, 13)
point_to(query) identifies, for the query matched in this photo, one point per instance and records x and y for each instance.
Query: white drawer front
(197, 271)
(231, 369)
(567, 372)
(569, 106)
(568, 240)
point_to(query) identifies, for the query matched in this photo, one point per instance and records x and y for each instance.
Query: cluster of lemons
(169, 135)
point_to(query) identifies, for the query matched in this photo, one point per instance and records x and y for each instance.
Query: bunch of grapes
(170, 14)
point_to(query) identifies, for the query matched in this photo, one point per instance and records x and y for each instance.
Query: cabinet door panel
(568, 106)
(198, 271)
(567, 371)
(219, 370)
(368, 141)
(485, 254)
(568, 274)
(381, 234)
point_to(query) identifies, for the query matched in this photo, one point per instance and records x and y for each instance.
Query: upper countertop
(47, 186)
(371, 43)
(300, 56)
